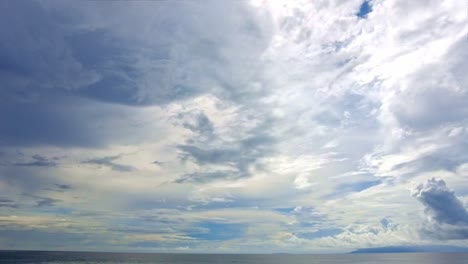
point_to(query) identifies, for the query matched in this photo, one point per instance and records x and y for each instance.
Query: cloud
(188, 58)
(7, 203)
(320, 233)
(109, 162)
(388, 225)
(30, 44)
(157, 162)
(198, 123)
(38, 161)
(441, 204)
(446, 215)
(204, 177)
(60, 188)
(237, 154)
(63, 186)
(432, 87)
(219, 231)
(93, 59)
(43, 201)
(53, 119)
(289, 126)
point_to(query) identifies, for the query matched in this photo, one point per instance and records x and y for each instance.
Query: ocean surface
(23, 257)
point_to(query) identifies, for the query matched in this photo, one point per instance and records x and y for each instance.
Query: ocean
(51, 257)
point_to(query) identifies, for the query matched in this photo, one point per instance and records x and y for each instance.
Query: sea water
(51, 257)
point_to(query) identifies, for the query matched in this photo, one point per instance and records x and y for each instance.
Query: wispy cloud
(109, 162)
(7, 203)
(38, 161)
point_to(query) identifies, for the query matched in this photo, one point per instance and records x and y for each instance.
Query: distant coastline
(412, 249)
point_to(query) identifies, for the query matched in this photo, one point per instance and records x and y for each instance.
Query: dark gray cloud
(238, 154)
(34, 53)
(70, 49)
(40, 73)
(63, 186)
(41, 201)
(175, 59)
(46, 201)
(445, 232)
(30, 173)
(440, 202)
(109, 162)
(60, 55)
(447, 217)
(157, 162)
(203, 177)
(204, 156)
(198, 123)
(52, 119)
(38, 161)
(60, 188)
(8, 203)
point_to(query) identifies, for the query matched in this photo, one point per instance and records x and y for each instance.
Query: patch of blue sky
(358, 186)
(352, 187)
(64, 211)
(286, 210)
(310, 224)
(58, 210)
(364, 9)
(219, 231)
(133, 225)
(320, 233)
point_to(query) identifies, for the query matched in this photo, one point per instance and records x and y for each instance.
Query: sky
(233, 126)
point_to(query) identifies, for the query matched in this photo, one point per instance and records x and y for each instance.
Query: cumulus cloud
(446, 215)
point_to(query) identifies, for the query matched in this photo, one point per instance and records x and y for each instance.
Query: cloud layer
(243, 126)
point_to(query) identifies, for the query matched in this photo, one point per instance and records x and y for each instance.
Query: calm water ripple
(30, 257)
